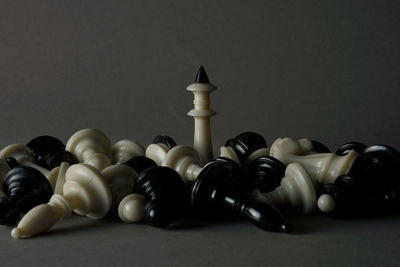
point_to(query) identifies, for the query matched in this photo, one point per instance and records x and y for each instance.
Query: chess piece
(85, 192)
(323, 168)
(202, 113)
(49, 152)
(371, 185)
(248, 146)
(216, 194)
(296, 190)
(120, 179)
(24, 188)
(346, 148)
(264, 174)
(166, 195)
(124, 150)
(92, 147)
(159, 148)
(60, 172)
(131, 207)
(4, 169)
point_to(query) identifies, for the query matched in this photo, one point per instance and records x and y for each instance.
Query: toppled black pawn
(216, 193)
(166, 194)
(246, 143)
(25, 188)
(165, 140)
(372, 185)
(265, 174)
(319, 147)
(140, 163)
(49, 152)
(347, 147)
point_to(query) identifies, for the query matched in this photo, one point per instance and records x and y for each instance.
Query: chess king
(202, 113)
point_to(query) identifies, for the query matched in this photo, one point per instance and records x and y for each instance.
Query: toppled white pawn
(296, 190)
(326, 203)
(24, 156)
(91, 146)
(124, 150)
(228, 152)
(156, 152)
(120, 179)
(131, 208)
(323, 168)
(85, 192)
(59, 173)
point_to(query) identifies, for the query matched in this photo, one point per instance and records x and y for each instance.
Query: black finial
(201, 76)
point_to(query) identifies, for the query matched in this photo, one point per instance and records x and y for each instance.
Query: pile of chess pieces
(46, 181)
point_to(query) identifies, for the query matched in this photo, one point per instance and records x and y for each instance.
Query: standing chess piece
(159, 148)
(124, 150)
(85, 192)
(296, 190)
(216, 193)
(323, 168)
(49, 152)
(166, 195)
(202, 113)
(92, 147)
(24, 188)
(371, 185)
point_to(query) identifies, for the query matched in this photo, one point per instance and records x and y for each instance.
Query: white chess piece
(92, 147)
(322, 167)
(85, 192)
(24, 157)
(131, 208)
(124, 150)
(202, 113)
(57, 175)
(296, 190)
(120, 179)
(156, 152)
(228, 152)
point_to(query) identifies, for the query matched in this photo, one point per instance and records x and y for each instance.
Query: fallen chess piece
(24, 188)
(85, 192)
(91, 146)
(124, 150)
(216, 193)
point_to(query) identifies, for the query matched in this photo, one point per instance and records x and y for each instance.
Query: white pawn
(296, 190)
(85, 192)
(323, 168)
(202, 113)
(24, 156)
(124, 150)
(156, 152)
(92, 147)
(131, 208)
(59, 177)
(228, 152)
(120, 179)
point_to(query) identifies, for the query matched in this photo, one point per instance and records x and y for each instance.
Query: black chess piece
(165, 140)
(166, 195)
(371, 186)
(347, 147)
(140, 163)
(49, 152)
(201, 76)
(265, 174)
(318, 147)
(217, 193)
(25, 188)
(246, 143)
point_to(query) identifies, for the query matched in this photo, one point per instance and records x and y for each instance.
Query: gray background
(326, 70)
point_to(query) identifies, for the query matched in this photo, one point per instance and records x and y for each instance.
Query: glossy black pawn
(371, 186)
(165, 140)
(166, 195)
(246, 143)
(265, 174)
(24, 188)
(216, 193)
(347, 147)
(49, 152)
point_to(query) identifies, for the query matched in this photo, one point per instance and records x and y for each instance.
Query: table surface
(318, 241)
